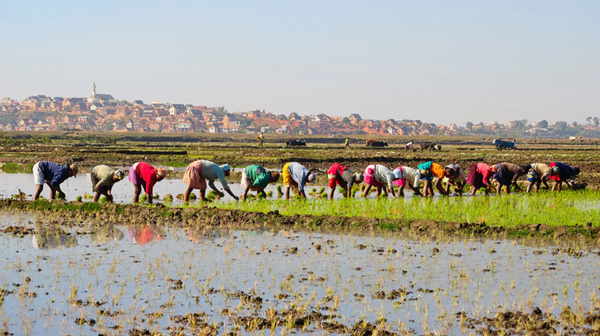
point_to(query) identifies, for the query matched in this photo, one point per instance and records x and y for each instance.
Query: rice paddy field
(518, 264)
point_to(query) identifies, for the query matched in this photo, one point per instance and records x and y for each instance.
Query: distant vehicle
(294, 142)
(503, 144)
(430, 146)
(376, 143)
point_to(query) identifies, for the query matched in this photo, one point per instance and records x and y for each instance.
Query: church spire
(94, 91)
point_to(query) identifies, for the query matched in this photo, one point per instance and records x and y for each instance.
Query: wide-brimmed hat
(225, 167)
(358, 177)
(74, 169)
(311, 177)
(161, 172)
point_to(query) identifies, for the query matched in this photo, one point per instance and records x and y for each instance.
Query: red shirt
(148, 174)
(485, 170)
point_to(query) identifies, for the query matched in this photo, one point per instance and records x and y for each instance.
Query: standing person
(143, 175)
(381, 177)
(260, 138)
(479, 176)
(338, 174)
(103, 178)
(347, 143)
(507, 175)
(295, 176)
(538, 173)
(410, 177)
(53, 174)
(456, 180)
(430, 169)
(255, 177)
(199, 171)
(561, 172)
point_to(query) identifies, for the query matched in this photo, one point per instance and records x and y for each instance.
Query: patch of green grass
(15, 168)
(176, 164)
(388, 226)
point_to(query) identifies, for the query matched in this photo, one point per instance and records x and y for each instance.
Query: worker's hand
(221, 194)
(236, 198)
(61, 195)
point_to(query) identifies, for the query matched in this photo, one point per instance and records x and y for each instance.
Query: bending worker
(410, 177)
(430, 169)
(381, 177)
(561, 172)
(296, 176)
(255, 177)
(507, 175)
(53, 174)
(143, 175)
(199, 171)
(457, 180)
(103, 178)
(343, 176)
(538, 173)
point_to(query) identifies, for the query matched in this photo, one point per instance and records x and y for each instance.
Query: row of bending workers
(295, 176)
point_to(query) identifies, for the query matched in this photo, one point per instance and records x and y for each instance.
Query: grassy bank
(554, 209)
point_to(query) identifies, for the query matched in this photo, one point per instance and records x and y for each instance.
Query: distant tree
(346, 120)
(574, 124)
(589, 121)
(543, 124)
(469, 125)
(596, 122)
(480, 124)
(560, 126)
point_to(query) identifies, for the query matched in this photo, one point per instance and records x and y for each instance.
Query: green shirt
(258, 176)
(104, 175)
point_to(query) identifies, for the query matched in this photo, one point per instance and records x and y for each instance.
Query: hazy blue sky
(438, 61)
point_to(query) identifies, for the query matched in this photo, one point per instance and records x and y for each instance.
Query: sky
(437, 61)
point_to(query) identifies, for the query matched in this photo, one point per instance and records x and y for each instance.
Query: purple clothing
(54, 172)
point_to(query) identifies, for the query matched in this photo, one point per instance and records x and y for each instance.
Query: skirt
(475, 178)
(193, 176)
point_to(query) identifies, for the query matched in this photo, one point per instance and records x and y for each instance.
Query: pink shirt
(148, 174)
(485, 170)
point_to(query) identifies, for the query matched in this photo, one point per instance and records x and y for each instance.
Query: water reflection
(48, 236)
(106, 234)
(143, 235)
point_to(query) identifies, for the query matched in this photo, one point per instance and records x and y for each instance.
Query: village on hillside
(102, 112)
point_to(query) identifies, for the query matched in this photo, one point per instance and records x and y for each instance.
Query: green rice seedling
(79, 198)
(168, 198)
(88, 196)
(270, 193)
(279, 191)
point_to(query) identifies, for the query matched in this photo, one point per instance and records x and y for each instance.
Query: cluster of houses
(102, 112)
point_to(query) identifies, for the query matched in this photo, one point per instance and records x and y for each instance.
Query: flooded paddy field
(78, 275)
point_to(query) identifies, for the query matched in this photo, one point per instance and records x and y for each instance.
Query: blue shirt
(54, 172)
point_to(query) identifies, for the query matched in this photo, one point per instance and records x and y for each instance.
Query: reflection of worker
(296, 176)
(51, 236)
(256, 178)
(53, 174)
(143, 175)
(338, 174)
(561, 172)
(199, 171)
(144, 235)
(106, 233)
(103, 178)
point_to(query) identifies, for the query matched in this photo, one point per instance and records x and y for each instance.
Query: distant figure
(561, 172)
(347, 143)
(538, 173)
(260, 138)
(256, 178)
(507, 175)
(408, 145)
(296, 176)
(338, 174)
(199, 171)
(103, 178)
(143, 175)
(479, 176)
(410, 177)
(53, 174)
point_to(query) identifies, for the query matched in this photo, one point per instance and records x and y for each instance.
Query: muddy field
(124, 271)
(273, 267)
(241, 150)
